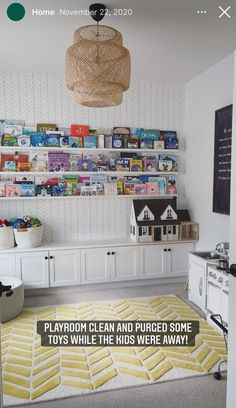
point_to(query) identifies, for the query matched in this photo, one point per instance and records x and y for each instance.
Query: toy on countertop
(4, 223)
(26, 222)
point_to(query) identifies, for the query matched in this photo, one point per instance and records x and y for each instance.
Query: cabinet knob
(165, 250)
(169, 249)
(113, 253)
(108, 253)
(51, 257)
(46, 257)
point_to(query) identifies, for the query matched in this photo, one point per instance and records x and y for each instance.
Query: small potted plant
(28, 232)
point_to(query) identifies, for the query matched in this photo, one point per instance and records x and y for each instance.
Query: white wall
(208, 92)
(44, 98)
(231, 390)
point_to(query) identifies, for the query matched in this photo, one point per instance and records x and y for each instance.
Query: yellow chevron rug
(35, 373)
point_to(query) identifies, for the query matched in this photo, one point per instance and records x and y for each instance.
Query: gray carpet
(198, 392)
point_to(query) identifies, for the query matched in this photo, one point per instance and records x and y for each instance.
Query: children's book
(110, 189)
(85, 165)
(70, 183)
(88, 190)
(44, 191)
(52, 140)
(165, 165)
(65, 141)
(98, 179)
(122, 164)
(58, 162)
(107, 141)
(166, 134)
(29, 129)
(100, 141)
(46, 127)
(171, 159)
(38, 139)
(121, 130)
(24, 140)
(73, 160)
(159, 144)
(152, 188)
(12, 190)
(2, 189)
(84, 180)
(23, 163)
(64, 131)
(13, 130)
(136, 132)
(171, 186)
(133, 180)
(133, 142)
(24, 179)
(76, 141)
(171, 144)
(9, 162)
(146, 144)
(120, 190)
(79, 130)
(136, 165)
(60, 190)
(150, 134)
(150, 165)
(38, 161)
(9, 140)
(129, 188)
(90, 142)
(140, 189)
(27, 190)
(161, 183)
(118, 141)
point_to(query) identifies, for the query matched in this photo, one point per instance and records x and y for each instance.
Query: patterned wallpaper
(44, 98)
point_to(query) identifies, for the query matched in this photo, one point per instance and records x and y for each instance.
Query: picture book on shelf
(171, 186)
(2, 189)
(150, 165)
(90, 142)
(58, 162)
(171, 159)
(146, 144)
(129, 188)
(150, 134)
(27, 190)
(98, 179)
(28, 129)
(73, 160)
(24, 140)
(9, 140)
(152, 188)
(140, 189)
(122, 164)
(84, 180)
(107, 141)
(9, 162)
(85, 165)
(158, 144)
(165, 165)
(65, 141)
(38, 161)
(45, 127)
(79, 130)
(52, 140)
(121, 130)
(43, 190)
(25, 179)
(37, 139)
(171, 144)
(88, 190)
(136, 165)
(110, 189)
(76, 141)
(118, 141)
(12, 190)
(161, 180)
(13, 130)
(100, 141)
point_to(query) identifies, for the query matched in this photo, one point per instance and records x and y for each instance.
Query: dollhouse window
(145, 215)
(164, 230)
(145, 230)
(174, 229)
(169, 214)
(150, 230)
(169, 229)
(140, 231)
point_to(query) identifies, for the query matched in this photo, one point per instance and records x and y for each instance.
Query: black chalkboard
(222, 160)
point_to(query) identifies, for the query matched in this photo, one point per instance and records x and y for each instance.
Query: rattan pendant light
(97, 64)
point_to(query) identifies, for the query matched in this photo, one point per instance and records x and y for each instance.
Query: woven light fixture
(97, 64)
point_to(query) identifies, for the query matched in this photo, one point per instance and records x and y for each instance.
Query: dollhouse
(158, 220)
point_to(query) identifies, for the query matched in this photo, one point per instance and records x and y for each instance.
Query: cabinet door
(124, 262)
(152, 261)
(95, 265)
(64, 267)
(7, 265)
(213, 298)
(32, 269)
(225, 305)
(177, 259)
(197, 291)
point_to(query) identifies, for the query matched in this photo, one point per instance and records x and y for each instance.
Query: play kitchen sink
(207, 255)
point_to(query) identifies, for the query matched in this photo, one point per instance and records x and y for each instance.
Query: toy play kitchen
(209, 281)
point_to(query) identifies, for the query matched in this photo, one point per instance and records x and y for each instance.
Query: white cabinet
(197, 282)
(64, 267)
(152, 261)
(7, 265)
(95, 265)
(32, 269)
(176, 259)
(124, 263)
(109, 264)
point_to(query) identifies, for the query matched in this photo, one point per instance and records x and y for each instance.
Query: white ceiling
(167, 39)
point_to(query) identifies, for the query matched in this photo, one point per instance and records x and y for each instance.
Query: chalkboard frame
(225, 194)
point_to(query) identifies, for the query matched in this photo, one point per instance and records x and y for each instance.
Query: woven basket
(98, 66)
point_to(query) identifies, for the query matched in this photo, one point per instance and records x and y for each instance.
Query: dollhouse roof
(158, 207)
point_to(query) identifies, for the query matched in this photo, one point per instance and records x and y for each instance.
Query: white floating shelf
(84, 149)
(94, 196)
(87, 173)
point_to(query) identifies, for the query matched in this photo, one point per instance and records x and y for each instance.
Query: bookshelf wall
(39, 98)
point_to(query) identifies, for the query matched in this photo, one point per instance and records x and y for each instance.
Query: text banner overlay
(117, 333)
